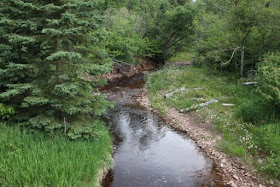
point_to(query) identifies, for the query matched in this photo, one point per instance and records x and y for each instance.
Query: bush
(6, 112)
(267, 138)
(269, 78)
(230, 146)
(271, 166)
(255, 111)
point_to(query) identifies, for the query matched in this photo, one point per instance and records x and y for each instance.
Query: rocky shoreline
(232, 172)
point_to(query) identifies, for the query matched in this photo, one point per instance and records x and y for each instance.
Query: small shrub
(269, 138)
(255, 111)
(6, 112)
(269, 78)
(231, 148)
(272, 166)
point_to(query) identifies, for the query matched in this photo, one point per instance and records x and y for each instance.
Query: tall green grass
(35, 159)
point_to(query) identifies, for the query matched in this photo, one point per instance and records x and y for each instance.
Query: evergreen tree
(45, 57)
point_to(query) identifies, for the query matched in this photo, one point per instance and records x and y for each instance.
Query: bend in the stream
(148, 152)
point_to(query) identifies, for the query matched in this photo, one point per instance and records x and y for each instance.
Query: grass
(182, 56)
(250, 128)
(35, 159)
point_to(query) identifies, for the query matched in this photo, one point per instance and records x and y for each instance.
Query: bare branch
(226, 63)
(228, 1)
(218, 7)
(121, 62)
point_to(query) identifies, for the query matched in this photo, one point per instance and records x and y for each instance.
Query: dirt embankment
(232, 172)
(125, 71)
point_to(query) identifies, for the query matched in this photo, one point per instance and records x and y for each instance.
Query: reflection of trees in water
(138, 127)
(153, 132)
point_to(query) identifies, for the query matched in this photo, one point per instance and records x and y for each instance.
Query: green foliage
(272, 166)
(239, 139)
(213, 40)
(256, 111)
(268, 139)
(155, 29)
(269, 78)
(229, 146)
(124, 40)
(172, 31)
(46, 57)
(35, 159)
(242, 23)
(6, 112)
(181, 57)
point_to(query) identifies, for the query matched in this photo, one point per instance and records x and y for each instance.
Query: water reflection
(151, 154)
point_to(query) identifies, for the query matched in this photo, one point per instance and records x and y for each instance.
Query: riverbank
(147, 152)
(32, 158)
(225, 138)
(125, 71)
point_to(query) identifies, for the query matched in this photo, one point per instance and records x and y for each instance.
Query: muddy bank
(232, 171)
(122, 72)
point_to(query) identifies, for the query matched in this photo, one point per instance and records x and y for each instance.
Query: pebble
(235, 177)
(228, 167)
(232, 184)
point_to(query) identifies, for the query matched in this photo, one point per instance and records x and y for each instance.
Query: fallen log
(96, 93)
(227, 104)
(176, 91)
(193, 107)
(198, 99)
(249, 83)
(198, 89)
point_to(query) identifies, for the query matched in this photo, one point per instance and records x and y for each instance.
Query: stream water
(147, 151)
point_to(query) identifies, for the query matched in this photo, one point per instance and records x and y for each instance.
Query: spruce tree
(48, 49)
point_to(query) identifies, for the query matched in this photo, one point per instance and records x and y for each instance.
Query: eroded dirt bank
(123, 72)
(232, 171)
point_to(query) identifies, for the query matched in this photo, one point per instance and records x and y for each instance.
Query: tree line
(53, 52)
(241, 36)
(50, 50)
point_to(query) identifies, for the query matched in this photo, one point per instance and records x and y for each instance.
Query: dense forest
(53, 54)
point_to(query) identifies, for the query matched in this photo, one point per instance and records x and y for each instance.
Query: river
(147, 151)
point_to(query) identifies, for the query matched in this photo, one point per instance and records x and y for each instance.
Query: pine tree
(47, 49)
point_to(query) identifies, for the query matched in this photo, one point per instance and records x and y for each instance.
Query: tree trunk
(242, 61)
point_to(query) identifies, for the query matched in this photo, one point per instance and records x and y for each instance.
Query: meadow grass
(182, 56)
(251, 127)
(32, 158)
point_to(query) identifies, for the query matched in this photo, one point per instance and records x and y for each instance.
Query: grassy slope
(250, 128)
(183, 56)
(34, 159)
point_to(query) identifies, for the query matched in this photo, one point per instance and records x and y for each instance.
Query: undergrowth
(183, 56)
(31, 158)
(250, 127)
